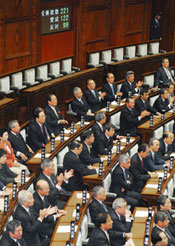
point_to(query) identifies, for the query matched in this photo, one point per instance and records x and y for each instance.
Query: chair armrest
(27, 83)
(51, 76)
(64, 72)
(76, 69)
(138, 55)
(12, 87)
(110, 194)
(126, 57)
(91, 225)
(39, 79)
(162, 51)
(114, 59)
(150, 53)
(71, 113)
(103, 62)
(90, 65)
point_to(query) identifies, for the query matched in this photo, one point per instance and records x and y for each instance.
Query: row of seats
(35, 75)
(100, 58)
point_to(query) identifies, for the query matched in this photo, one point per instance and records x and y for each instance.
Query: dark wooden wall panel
(16, 8)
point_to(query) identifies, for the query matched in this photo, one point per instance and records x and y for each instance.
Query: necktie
(169, 74)
(94, 94)
(55, 112)
(124, 172)
(81, 101)
(112, 90)
(18, 242)
(142, 163)
(104, 206)
(41, 128)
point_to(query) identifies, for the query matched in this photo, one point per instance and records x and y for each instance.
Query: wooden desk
(93, 180)
(12, 203)
(149, 193)
(8, 110)
(138, 228)
(147, 131)
(59, 238)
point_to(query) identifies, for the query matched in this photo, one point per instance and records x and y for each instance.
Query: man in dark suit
(122, 221)
(161, 224)
(41, 202)
(13, 236)
(152, 162)
(93, 98)
(110, 89)
(72, 161)
(122, 182)
(99, 235)
(166, 148)
(38, 134)
(87, 139)
(156, 26)
(32, 223)
(97, 204)
(139, 173)
(54, 120)
(130, 118)
(129, 87)
(164, 74)
(98, 128)
(162, 103)
(143, 104)
(160, 239)
(56, 183)
(22, 151)
(164, 204)
(104, 143)
(80, 106)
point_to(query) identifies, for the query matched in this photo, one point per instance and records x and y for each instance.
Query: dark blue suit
(152, 164)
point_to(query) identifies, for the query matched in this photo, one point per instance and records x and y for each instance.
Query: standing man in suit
(129, 87)
(156, 26)
(97, 204)
(122, 221)
(161, 224)
(80, 105)
(139, 173)
(110, 89)
(98, 127)
(143, 104)
(56, 183)
(72, 161)
(130, 118)
(21, 150)
(54, 120)
(31, 223)
(104, 142)
(13, 236)
(38, 134)
(122, 182)
(162, 103)
(93, 98)
(152, 162)
(164, 204)
(87, 139)
(166, 147)
(164, 74)
(100, 235)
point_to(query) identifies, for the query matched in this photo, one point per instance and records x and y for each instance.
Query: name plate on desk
(65, 228)
(152, 186)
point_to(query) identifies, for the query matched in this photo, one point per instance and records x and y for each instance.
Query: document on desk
(142, 213)
(27, 179)
(38, 155)
(172, 154)
(123, 140)
(65, 228)
(153, 186)
(58, 138)
(1, 204)
(74, 213)
(161, 174)
(86, 123)
(79, 195)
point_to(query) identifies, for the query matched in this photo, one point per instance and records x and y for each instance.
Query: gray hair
(128, 74)
(45, 163)
(118, 203)
(23, 196)
(151, 141)
(76, 89)
(96, 190)
(99, 116)
(11, 124)
(123, 158)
